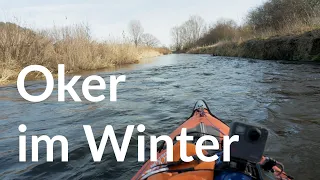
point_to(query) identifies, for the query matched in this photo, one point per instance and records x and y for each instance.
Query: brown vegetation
(71, 46)
(186, 35)
(292, 47)
(139, 38)
(284, 29)
(274, 18)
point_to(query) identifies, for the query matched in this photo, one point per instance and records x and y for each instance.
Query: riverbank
(71, 46)
(9, 75)
(303, 47)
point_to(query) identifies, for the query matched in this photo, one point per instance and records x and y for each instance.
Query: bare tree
(136, 31)
(150, 40)
(176, 38)
(196, 26)
(188, 33)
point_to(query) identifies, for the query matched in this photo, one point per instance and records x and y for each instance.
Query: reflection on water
(160, 93)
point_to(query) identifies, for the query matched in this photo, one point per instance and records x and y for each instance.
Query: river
(281, 96)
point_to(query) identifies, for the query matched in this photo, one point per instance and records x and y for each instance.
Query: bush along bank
(72, 46)
(304, 47)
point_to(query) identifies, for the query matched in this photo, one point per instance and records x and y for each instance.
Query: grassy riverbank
(280, 30)
(303, 47)
(71, 46)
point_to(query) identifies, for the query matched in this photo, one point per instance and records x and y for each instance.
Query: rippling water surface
(283, 97)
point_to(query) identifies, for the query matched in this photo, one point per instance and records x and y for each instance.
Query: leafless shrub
(136, 31)
(185, 35)
(150, 40)
(72, 46)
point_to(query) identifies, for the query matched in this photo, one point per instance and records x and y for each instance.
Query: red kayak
(203, 122)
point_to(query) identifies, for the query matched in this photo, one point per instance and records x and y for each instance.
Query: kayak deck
(198, 124)
(201, 122)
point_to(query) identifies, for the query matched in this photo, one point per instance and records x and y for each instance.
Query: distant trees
(138, 37)
(274, 17)
(188, 33)
(192, 29)
(278, 14)
(176, 38)
(223, 30)
(150, 40)
(136, 31)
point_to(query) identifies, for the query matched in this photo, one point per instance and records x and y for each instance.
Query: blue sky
(109, 18)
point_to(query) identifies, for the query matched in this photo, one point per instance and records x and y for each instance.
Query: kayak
(201, 122)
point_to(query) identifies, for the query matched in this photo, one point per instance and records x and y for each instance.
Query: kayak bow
(201, 122)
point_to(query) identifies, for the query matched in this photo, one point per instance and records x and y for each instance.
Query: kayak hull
(201, 120)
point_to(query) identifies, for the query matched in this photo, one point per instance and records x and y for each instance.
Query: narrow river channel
(283, 97)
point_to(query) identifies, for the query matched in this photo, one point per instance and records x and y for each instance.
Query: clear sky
(109, 18)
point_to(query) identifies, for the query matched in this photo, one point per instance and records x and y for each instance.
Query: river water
(283, 97)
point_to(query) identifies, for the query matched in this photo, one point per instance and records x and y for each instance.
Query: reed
(72, 46)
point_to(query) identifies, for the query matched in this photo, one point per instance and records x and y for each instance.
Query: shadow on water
(160, 93)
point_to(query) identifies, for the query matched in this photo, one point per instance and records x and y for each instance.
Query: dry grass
(162, 50)
(288, 30)
(301, 47)
(71, 46)
(244, 35)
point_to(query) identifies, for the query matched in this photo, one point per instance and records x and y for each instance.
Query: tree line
(274, 17)
(188, 33)
(279, 14)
